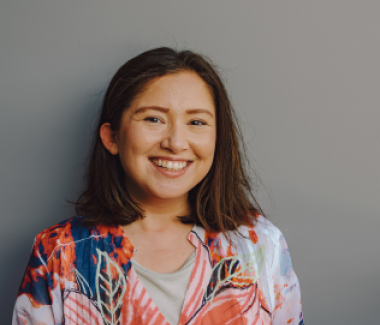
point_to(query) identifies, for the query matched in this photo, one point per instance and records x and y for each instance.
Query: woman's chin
(169, 194)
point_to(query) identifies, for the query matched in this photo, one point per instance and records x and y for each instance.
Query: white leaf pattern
(83, 285)
(110, 286)
(224, 271)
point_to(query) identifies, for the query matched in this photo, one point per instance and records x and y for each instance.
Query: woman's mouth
(170, 165)
(171, 168)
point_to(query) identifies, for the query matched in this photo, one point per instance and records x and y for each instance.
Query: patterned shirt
(83, 275)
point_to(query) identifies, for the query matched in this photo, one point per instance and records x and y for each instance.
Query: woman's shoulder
(265, 228)
(261, 236)
(72, 240)
(69, 232)
(261, 230)
(61, 227)
(269, 235)
(61, 231)
(60, 234)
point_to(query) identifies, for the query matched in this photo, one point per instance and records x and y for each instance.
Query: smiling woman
(166, 140)
(168, 231)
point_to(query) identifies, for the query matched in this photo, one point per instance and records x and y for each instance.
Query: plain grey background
(304, 77)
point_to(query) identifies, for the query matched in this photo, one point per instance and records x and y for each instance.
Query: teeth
(176, 165)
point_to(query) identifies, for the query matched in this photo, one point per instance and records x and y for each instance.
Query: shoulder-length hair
(222, 201)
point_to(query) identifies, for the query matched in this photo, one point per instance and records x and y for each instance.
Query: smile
(170, 165)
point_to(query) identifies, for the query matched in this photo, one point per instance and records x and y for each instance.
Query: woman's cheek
(206, 143)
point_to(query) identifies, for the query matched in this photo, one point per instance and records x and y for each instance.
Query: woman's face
(167, 137)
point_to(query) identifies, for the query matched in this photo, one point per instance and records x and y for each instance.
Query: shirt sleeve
(287, 294)
(34, 300)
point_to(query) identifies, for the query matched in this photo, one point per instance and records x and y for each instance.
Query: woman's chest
(105, 285)
(162, 256)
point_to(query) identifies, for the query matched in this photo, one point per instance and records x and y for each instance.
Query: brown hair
(222, 201)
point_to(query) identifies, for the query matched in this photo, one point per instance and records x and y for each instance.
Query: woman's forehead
(183, 91)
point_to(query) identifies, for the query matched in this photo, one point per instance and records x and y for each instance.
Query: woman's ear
(108, 139)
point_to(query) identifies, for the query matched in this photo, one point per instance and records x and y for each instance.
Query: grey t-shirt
(167, 290)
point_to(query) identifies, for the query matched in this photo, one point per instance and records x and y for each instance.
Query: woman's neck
(161, 215)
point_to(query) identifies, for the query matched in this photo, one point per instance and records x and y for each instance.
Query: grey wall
(303, 75)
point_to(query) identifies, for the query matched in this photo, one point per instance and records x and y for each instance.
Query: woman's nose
(175, 139)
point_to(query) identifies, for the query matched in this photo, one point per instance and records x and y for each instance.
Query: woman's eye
(153, 119)
(197, 122)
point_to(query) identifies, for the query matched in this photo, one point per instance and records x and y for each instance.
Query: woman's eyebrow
(165, 110)
(198, 111)
(154, 108)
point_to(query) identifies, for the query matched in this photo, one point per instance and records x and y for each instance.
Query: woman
(168, 232)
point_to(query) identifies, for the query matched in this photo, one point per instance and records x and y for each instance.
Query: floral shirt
(83, 275)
